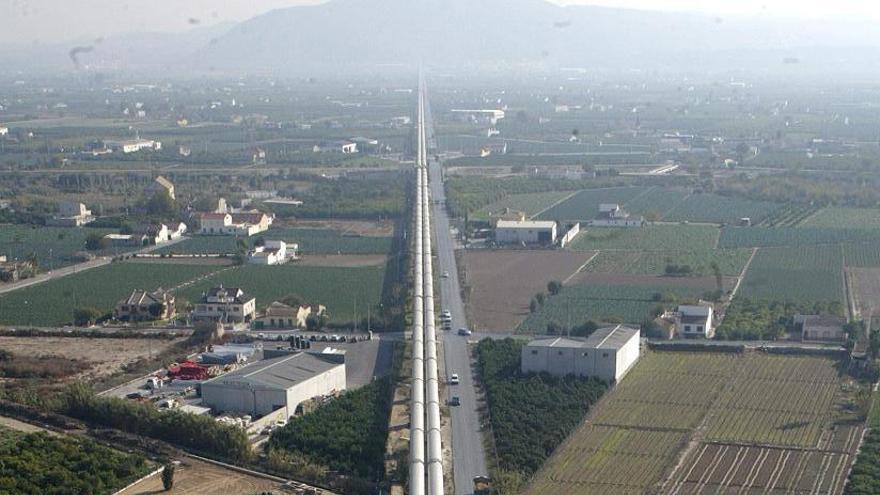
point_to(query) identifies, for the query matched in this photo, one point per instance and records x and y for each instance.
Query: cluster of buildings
(149, 234)
(272, 253)
(229, 221)
(611, 215)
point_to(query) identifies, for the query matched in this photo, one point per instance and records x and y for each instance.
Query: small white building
(72, 214)
(4, 131)
(525, 232)
(226, 304)
(271, 253)
(611, 215)
(234, 223)
(133, 145)
(608, 354)
(270, 385)
(176, 230)
(161, 185)
(694, 321)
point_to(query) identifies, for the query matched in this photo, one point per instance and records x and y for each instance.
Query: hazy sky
(49, 21)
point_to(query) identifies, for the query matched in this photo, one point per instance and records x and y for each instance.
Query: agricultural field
(585, 204)
(712, 208)
(39, 463)
(862, 255)
(578, 304)
(347, 292)
(790, 215)
(649, 238)
(495, 304)
(802, 274)
(655, 203)
(851, 218)
(747, 413)
(530, 204)
(52, 302)
(865, 285)
(195, 477)
(745, 237)
(53, 246)
(310, 241)
(729, 261)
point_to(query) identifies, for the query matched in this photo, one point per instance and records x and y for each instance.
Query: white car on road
(453, 380)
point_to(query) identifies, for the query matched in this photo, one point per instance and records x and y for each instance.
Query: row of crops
(803, 274)
(789, 215)
(651, 414)
(310, 241)
(584, 205)
(608, 303)
(745, 237)
(530, 204)
(649, 238)
(729, 261)
(712, 208)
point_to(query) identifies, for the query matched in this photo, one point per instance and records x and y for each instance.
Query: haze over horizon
(49, 21)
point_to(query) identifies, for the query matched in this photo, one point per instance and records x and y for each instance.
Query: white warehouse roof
(604, 338)
(528, 224)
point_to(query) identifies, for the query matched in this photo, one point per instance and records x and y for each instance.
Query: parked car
(445, 274)
(464, 331)
(455, 401)
(447, 325)
(453, 380)
(446, 315)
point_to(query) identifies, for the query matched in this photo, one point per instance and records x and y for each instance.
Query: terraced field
(802, 274)
(746, 423)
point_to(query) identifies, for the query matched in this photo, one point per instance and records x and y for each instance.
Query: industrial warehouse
(277, 383)
(607, 354)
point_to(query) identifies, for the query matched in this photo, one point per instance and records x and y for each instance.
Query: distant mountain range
(345, 36)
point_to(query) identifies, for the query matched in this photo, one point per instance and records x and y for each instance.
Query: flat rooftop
(604, 338)
(528, 224)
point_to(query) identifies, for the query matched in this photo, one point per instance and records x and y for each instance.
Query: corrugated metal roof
(278, 373)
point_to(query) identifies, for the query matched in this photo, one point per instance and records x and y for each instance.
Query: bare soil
(343, 260)
(195, 477)
(380, 228)
(107, 356)
(502, 283)
(866, 288)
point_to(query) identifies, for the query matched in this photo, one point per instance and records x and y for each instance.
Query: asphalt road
(468, 456)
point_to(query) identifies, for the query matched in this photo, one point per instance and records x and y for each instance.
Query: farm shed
(607, 354)
(525, 232)
(821, 328)
(269, 385)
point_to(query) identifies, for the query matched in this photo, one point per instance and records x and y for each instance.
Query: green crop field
(799, 274)
(53, 302)
(530, 204)
(52, 245)
(310, 241)
(343, 290)
(580, 303)
(729, 261)
(742, 237)
(637, 433)
(649, 238)
(854, 218)
(585, 204)
(656, 202)
(713, 208)
(864, 255)
(789, 215)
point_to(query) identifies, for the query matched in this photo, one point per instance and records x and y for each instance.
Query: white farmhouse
(607, 354)
(611, 215)
(694, 321)
(226, 304)
(133, 145)
(271, 253)
(525, 232)
(72, 214)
